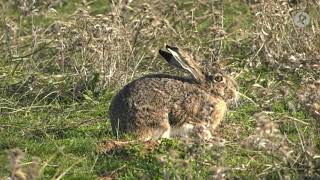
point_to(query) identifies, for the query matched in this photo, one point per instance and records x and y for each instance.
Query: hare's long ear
(182, 61)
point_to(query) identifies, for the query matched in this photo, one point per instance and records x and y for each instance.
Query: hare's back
(154, 90)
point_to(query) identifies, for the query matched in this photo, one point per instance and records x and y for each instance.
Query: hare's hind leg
(161, 131)
(153, 123)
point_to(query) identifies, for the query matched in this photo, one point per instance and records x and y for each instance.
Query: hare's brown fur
(163, 106)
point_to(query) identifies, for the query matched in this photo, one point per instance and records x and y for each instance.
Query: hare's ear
(182, 61)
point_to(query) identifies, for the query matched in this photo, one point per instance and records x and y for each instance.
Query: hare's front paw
(190, 130)
(183, 131)
(202, 132)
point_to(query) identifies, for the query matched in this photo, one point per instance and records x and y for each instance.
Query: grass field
(62, 61)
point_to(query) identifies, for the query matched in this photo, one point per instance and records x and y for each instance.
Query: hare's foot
(167, 133)
(202, 132)
(183, 131)
(191, 130)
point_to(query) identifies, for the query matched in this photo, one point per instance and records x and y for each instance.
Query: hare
(165, 106)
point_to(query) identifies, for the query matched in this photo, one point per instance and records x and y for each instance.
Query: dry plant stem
(118, 169)
(8, 40)
(300, 137)
(46, 163)
(297, 120)
(288, 117)
(222, 27)
(251, 100)
(256, 54)
(94, 164)
(68, 169)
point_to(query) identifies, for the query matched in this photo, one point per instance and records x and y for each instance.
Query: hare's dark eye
(218, 78)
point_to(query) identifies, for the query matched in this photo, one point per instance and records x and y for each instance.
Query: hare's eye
(218, 78)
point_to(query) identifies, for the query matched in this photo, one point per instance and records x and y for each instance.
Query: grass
(61, 66)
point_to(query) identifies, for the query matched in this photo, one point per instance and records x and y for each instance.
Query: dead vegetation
(19, 171)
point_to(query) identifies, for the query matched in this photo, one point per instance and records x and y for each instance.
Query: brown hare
(164, 106)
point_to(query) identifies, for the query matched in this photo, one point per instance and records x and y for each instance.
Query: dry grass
(18, 171)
